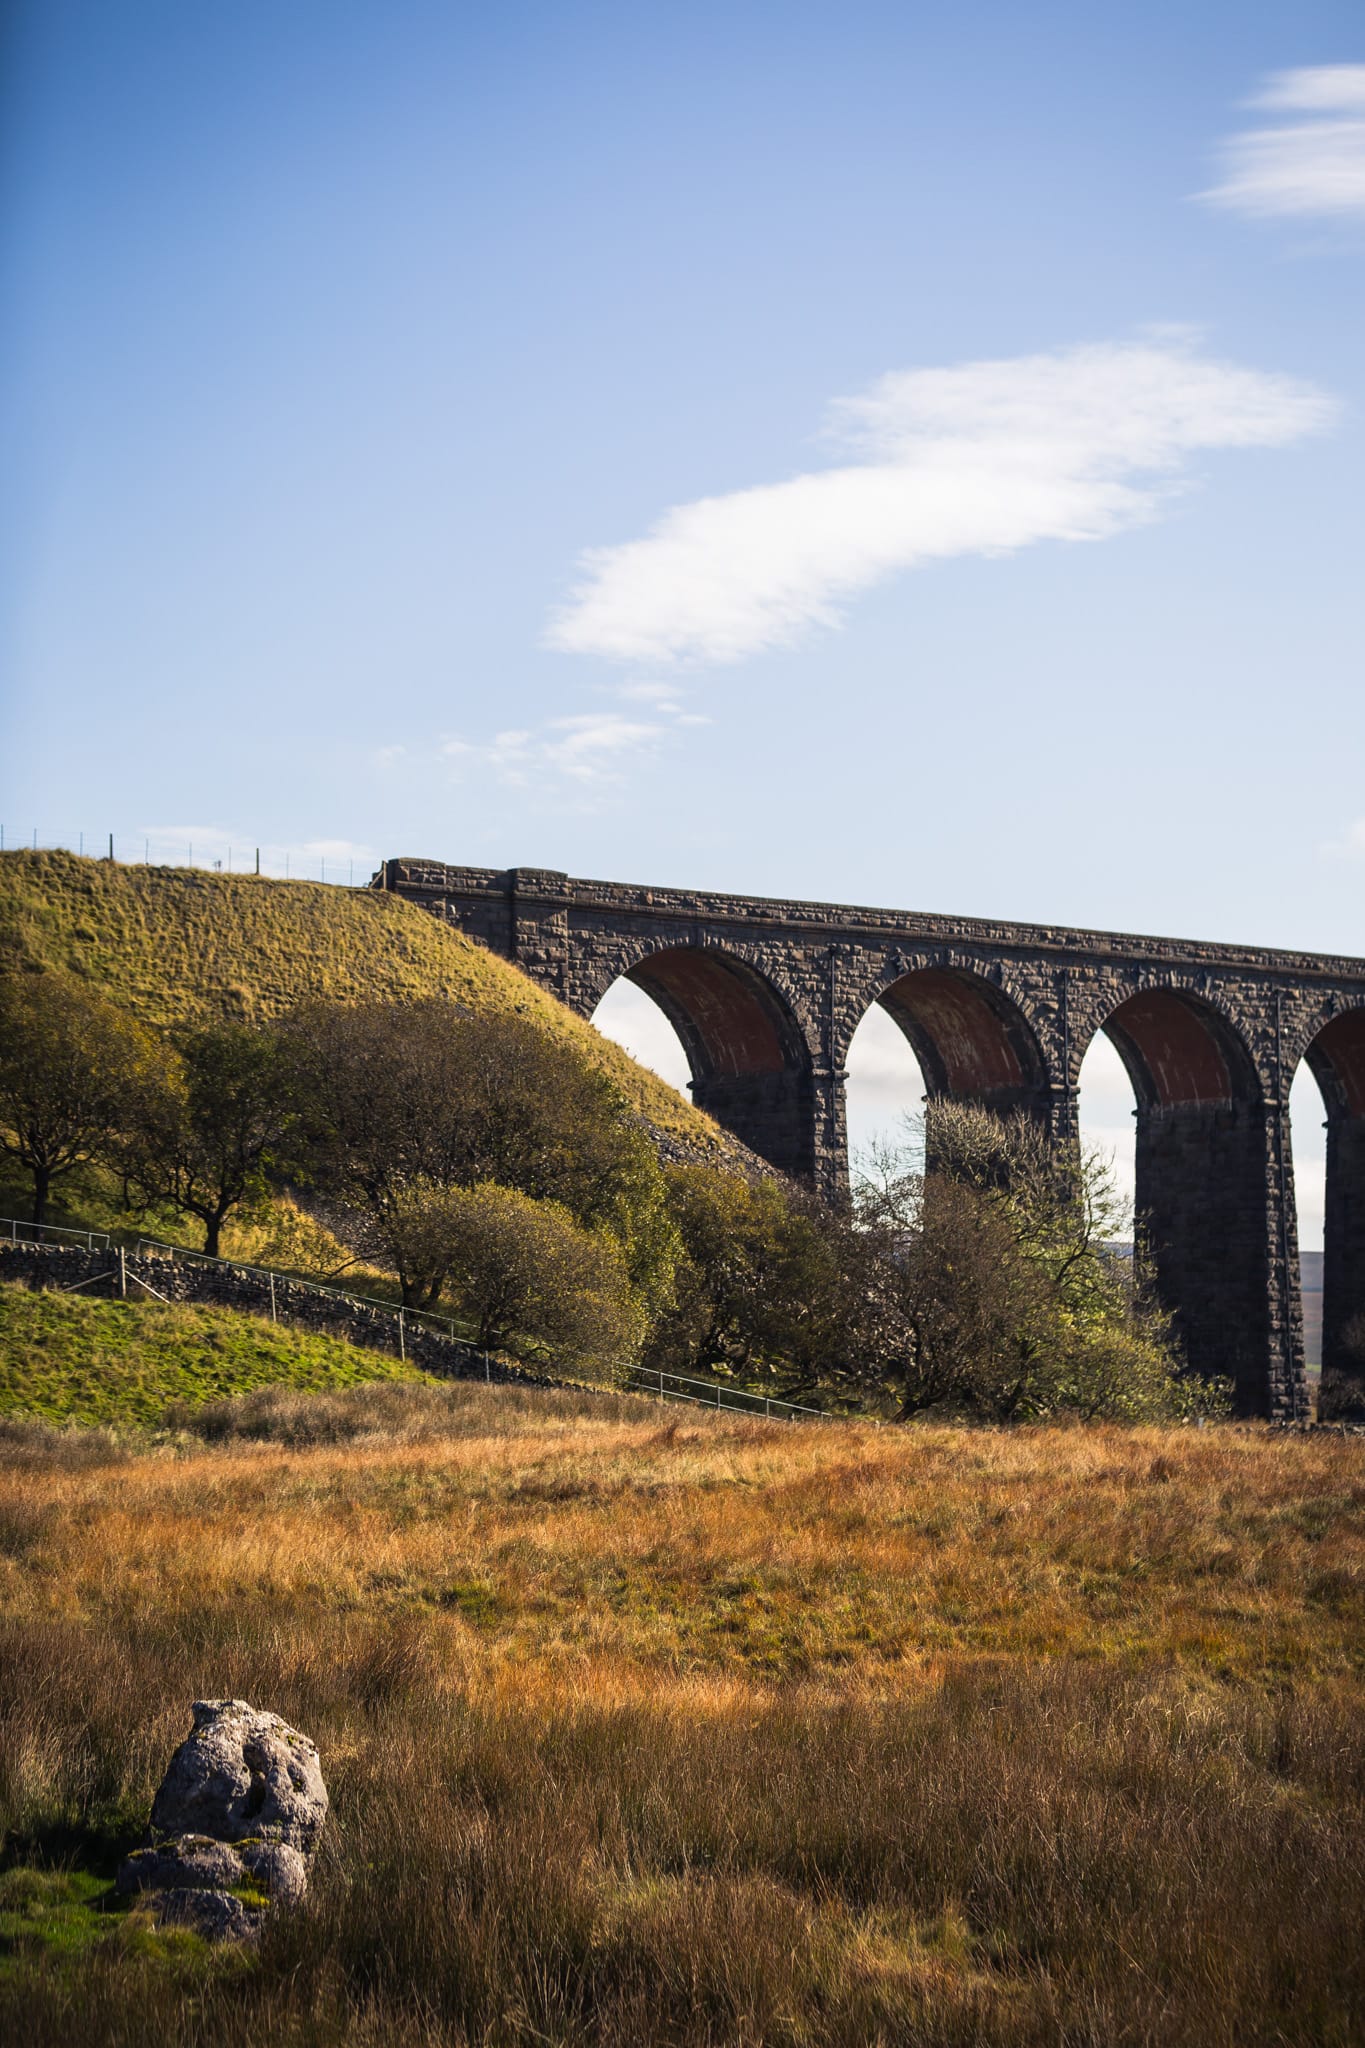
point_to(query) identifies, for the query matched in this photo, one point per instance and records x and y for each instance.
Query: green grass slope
(178, 945)
(121, 1364)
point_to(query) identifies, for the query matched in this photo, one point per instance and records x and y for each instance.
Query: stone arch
(1336, 1056)
(747, 1046)
(1179, 1048)
(732, 1018)
(971, 1035)
(1210, 1166)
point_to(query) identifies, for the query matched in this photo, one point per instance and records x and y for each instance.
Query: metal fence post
(122, 1274)
(487, 1369)
(272, 1297)
(402, 1353)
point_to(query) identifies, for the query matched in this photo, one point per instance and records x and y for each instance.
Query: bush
(523, 1272)
(993, 1284)
(758, 1287)
(422, 1095)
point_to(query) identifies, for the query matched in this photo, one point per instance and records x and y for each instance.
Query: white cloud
(1351, 845)
(582, 755)
(1314, 166)
(982, 458)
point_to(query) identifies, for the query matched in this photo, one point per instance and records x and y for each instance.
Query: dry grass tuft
(643, 1727)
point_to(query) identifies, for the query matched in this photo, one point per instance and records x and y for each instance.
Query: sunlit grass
(182, 945)
(646, 1726)
(67, 1358)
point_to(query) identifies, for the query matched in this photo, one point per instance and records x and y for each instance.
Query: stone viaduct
(766, 995)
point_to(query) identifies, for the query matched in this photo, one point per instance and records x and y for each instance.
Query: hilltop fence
(330, 861)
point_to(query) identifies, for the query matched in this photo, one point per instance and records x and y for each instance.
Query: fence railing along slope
(419, 1336)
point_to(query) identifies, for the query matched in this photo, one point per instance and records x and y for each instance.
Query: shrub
(522, 1271)
(758, 1287)
(421, 1094)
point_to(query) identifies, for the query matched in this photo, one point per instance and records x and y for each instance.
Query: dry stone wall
(246, 1288)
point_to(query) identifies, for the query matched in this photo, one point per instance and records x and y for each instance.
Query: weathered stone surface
(182, 1863)
(234, 1822)
(275, 1868)
(766, 995)
(198, 1863)
(242, 1773)
(217, 1916)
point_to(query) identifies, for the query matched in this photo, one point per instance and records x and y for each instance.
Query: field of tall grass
(646, 1726)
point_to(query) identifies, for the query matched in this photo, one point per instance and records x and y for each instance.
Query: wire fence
(41, 1233)
(716, 1395)
(331, 861)
(421, 1317)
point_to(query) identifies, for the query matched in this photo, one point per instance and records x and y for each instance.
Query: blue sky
(423, 434)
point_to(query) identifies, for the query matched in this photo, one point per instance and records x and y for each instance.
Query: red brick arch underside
(971, 1040)
(1179, 1050)
(730, 1018)
(1337, 1060)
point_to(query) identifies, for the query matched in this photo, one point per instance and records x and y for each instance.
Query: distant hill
(179, 945)
(1310, 1280)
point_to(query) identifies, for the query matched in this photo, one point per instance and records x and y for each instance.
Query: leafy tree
(72, 1068)
(992, 1283)
(422, 1094)
(758, 1287)
(523, 1271)
(223, 1119)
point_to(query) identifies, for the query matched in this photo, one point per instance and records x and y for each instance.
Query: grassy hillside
(645, 1727)
(121, 1364)
(179, 945)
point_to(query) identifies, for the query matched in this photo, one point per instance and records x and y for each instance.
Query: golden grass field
(643, 1725)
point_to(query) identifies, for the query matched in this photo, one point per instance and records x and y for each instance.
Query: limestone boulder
(192, 1863)
(216, 1916)
(197, 1863)
(275, 1869)
(243, 1774)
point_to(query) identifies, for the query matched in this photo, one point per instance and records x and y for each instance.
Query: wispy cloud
(582, 756)
(981, 458)
(1310, 166)
(1351, 845)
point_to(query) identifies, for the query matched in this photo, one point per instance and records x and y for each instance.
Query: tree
(1341, 1390)
(523, 1272)
(72, 1067)
(993, 1283)
(424, 1094)
(220, 1123)
(758, 1288)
